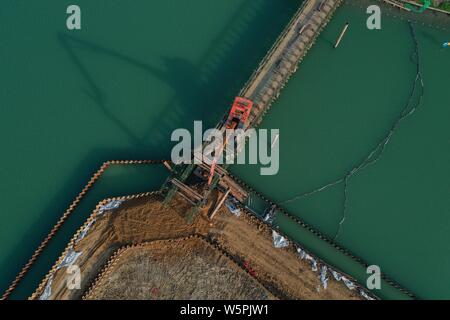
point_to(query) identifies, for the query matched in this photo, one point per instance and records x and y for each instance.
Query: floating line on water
(344, 210)
(309, 228)
(375, 155)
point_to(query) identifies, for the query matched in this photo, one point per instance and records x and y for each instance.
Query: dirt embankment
(281, 269)
(231, 243)
(181, 269)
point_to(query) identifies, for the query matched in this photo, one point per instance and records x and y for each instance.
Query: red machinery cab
(237, 119)
(239, 113)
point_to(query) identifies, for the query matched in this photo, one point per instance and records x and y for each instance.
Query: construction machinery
(208, 173)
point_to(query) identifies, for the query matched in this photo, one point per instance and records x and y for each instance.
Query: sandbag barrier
(107, 269)
(319, 235)
(271, 88)
(280, 38)
(66, 215)
(319, 263)
(258, 223)
(257, 120)
(255, 219)
(76, 236)
(272, 49)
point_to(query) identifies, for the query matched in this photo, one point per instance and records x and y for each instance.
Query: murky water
(114, 90)
(389, 207)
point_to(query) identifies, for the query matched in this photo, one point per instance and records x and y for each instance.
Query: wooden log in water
(338, 41)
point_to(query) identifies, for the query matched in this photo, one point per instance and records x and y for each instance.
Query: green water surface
(115, 89)
(333, 113)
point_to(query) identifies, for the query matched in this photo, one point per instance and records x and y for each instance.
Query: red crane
(237, 119)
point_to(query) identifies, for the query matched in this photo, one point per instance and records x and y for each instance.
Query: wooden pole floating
(167, 165)
(338, 41)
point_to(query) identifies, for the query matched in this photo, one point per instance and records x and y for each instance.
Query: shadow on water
(179, 75)
(230, 60)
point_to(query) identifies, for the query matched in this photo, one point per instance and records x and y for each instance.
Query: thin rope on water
(375, 155)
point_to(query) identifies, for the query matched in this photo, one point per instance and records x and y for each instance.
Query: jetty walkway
(282, 60)
(263, 87)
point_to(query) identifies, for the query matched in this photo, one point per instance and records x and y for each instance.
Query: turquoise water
(309, 240)
(336, 109)
(136, 71)
(113, 90)
(118, 180)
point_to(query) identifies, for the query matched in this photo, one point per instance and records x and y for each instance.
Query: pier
(282, 60)
(263, 88)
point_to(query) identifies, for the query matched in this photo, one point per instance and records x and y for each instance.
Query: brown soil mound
(183, 269)
(244, 240)
(281, 269)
